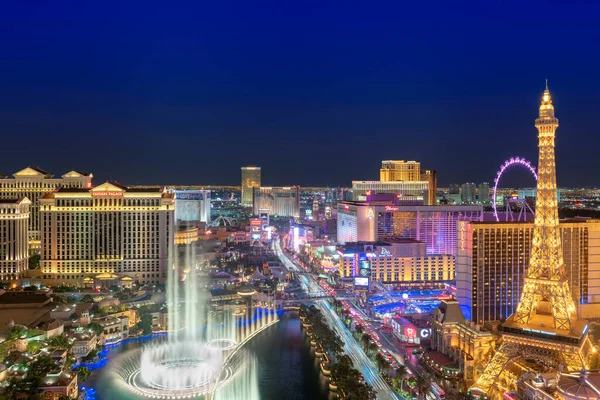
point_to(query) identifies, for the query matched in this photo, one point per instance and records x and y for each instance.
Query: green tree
(34, 261)
(96, 328)
(83, 373)
(69, 361)
(366, 338)
(59, 300)
(60, 341)
(145, 324)
(87, 299)
(91, 355)
(34, 346)
(373, 347)
(16, 332)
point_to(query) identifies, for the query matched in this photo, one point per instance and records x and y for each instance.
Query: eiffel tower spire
(546, 288)
(545, 324)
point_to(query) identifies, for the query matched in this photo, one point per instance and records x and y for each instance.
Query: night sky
(315, 92)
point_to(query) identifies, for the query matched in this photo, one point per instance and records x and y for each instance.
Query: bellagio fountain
(203, 353)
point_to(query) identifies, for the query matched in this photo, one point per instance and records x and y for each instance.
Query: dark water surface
(288, 369)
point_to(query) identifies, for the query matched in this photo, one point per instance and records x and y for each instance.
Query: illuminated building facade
(493, 258)
(278, 201)
(106, 233)
(415, 192)
(400, 170)
(33, 183)
(250, 180)
(461, 340)
(545, 324)
(382, 219)
(399, 260)
(430, 176)
(192, 206)
(14, 230)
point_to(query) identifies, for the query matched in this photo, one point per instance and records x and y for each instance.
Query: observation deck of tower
(545, 325)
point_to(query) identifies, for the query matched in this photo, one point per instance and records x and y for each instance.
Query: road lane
(351, 347)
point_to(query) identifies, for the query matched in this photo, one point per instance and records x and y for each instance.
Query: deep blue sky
(314, 92)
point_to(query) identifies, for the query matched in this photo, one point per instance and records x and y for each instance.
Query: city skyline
(436, 85)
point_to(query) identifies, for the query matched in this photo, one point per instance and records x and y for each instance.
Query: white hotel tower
(33, 183)
(105, 235)
(14, 229)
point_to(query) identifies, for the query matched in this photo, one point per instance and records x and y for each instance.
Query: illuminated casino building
(415, 192)
(14, 229)
(492, 259)
(250, 180)
(463, 341)
(396, 261)
(277, 201)
(192, 206)
(33, 183)
(384, 216)
(400, 170)
(98, 236)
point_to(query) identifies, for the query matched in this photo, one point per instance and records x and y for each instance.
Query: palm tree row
(349, 381)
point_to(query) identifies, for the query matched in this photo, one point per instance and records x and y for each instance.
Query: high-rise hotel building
(492, 258)
(250, 180)
(400, 170)
(383, 216)
(278, 201)
(403, 177)
(413, 192)
(397, 261)
(33, 183)
(14, 229)
(100, 235)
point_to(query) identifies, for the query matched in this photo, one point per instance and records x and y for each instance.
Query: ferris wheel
(524, 207)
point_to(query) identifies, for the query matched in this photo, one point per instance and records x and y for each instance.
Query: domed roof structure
(572, 387)
(246, 290)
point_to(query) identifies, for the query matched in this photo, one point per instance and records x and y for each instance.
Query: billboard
(364, 266)
(181, 195)
(361, 283)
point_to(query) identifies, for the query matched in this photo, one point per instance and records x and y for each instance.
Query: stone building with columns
(106, 234)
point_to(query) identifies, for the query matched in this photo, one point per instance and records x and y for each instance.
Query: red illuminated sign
(390, 208)
(410, 332)
(107, 194)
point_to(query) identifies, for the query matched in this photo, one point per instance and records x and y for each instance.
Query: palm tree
(380, 359)
(373, 347)
(401, 371)
(366, 338)
(359, 329)
(422, 386)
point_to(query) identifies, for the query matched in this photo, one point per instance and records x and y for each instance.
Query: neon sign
(107, 194)
(390, 208)
(410, 332)
(385, 252)
(370, 214)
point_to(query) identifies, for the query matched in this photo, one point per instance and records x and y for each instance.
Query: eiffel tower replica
(545, 325)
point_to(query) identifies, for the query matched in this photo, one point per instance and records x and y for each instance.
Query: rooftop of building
(399, 206)
(16, 298)
(12, 201)
(386, 242)
(449, 312)
(57, 379)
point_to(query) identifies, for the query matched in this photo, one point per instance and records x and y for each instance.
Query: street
(351, 347)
